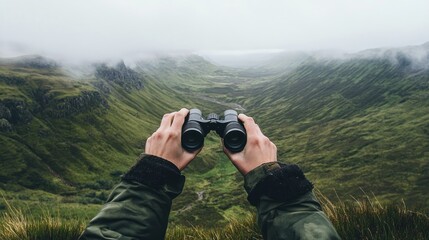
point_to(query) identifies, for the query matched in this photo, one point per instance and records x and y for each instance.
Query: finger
(166, 120)
(147, 145)
(179, 119)
(249, 124)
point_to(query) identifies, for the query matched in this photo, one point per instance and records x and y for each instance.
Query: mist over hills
(358, 121)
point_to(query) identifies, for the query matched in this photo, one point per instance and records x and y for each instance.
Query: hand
(259, 149)
(166, 141)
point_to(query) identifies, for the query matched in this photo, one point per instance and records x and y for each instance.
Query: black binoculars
(229, 128)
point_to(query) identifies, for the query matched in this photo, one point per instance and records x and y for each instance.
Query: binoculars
(229, 128)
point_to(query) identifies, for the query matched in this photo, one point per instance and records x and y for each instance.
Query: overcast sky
(98, 29)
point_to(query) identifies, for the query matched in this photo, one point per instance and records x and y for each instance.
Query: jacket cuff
(279, 181)
(155, 172)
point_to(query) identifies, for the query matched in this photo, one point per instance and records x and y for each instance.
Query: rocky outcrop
(5, 112)
(67, 106)
(121, 75)
(5, 126)
(102, 87)
(15, 111)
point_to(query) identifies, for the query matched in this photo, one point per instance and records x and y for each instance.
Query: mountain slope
(355, 123)
(59, 132)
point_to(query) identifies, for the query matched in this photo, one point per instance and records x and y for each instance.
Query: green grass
(17, 225)
(357, 219)
(368, 218)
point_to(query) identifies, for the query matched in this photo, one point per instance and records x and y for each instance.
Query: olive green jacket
(139, 206)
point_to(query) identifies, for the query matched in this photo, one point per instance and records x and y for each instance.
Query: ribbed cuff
(282, 182)
(155, 172)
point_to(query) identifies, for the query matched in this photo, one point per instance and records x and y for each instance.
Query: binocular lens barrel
(230, 115)
(195, 115)
(192, 136)
(234, 137)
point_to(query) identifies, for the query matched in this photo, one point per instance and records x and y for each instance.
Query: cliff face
(13, 112)
(25, 96)
(120, 75)
(83, 102)
(28, 90)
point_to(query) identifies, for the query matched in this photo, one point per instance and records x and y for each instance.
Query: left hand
(166, 141)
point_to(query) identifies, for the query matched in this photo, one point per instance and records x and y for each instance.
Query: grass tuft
(237, 229)
(16, 225)
(369, 219)
(357, 219)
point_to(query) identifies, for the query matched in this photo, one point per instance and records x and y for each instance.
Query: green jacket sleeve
(286, 205)
(139, 206)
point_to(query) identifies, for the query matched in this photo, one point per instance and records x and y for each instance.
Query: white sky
(96, 29)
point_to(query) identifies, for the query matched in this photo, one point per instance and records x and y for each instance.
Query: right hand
(259, 149)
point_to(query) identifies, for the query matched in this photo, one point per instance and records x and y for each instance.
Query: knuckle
(173, 134)
(254, 141)
(158, 135)
(166, 115)
(266, 140)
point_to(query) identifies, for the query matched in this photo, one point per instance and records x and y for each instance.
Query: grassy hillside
(359, 123)
(65, 132)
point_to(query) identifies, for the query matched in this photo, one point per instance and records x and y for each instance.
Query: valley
(357, 126)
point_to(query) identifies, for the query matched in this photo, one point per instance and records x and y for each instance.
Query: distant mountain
(30, 61)
(416, 57)
(412, 56)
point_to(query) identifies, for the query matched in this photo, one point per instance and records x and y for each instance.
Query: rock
(121, 75)
(85, 101)
(5, 126)
(18, 111)
(103, 87)
(5, 112)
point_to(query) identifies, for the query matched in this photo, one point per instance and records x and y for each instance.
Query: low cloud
(108, 29)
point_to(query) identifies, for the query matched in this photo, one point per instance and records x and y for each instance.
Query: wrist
(257, 174)
(156, 172)
(278, 181)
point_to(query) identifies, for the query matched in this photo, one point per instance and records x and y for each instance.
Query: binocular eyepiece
(229, 128)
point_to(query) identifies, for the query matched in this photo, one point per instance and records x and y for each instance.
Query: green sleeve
(138, 207)
(286, 205)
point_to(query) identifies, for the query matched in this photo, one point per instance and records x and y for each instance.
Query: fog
(107, 29)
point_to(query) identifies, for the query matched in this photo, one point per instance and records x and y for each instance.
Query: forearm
(286, 206)
(139, 206)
